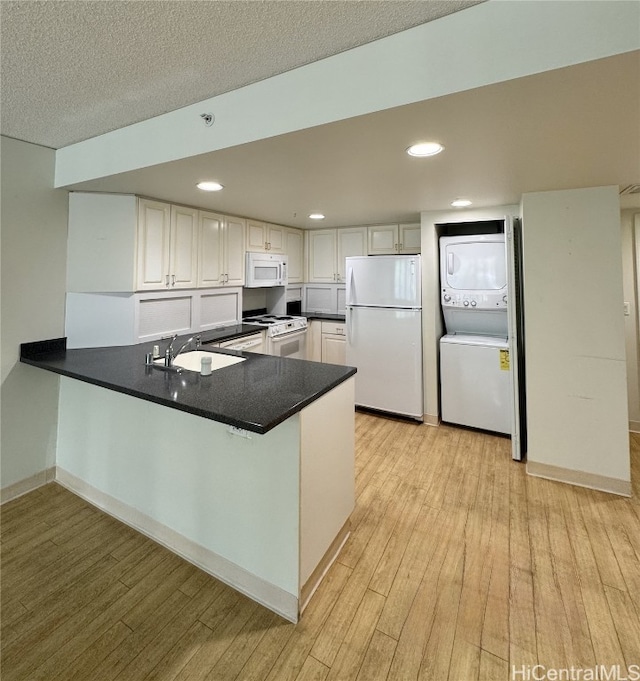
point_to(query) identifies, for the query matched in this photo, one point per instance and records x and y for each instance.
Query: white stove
(286, 334)
(277, 325)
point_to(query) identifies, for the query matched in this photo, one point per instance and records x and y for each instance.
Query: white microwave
(266, 269)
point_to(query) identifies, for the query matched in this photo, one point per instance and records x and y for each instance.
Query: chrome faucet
(169, 354)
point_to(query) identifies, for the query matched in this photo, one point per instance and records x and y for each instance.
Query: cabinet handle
(226, 278)
(173, 280)
(166, 281)
(400, 247)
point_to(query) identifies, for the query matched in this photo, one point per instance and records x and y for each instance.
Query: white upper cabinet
(154, 232)
(321, 249)
(394, 239)
(327, 250)
(222, 248)
(256, 236)
(294, 249)
(234, 250)
(167, 246)
(211, 265)
(183, 250)
(263, 237)
(410, 238)
(349, 241)
(275, 238)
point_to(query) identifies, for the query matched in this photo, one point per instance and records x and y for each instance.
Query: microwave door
(266, 273)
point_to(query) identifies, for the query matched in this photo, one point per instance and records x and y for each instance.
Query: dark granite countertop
(224, 333)
(256, 395)
(325, 316)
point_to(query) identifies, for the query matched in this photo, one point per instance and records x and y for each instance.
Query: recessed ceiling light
(209, 186)
(425, 149)
(316, 216)
(461, 203)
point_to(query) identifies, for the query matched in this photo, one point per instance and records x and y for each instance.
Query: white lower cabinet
(326, 342)
(334, 343)
(314, 341)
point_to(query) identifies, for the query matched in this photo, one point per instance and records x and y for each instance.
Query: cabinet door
(410, 237)
(275, 239)
(314, 341)
(294, 250)
(234, 243)
(334, 349)
(211, 260)
(341, 299)
(383, 240)
(319, 298)
(322, 255)
(256, 236)
(351, 241)
(154, 224)
(183, 252)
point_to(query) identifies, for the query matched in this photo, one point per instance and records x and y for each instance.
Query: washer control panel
(471, 301)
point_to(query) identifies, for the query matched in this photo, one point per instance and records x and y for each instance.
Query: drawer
(336, 328)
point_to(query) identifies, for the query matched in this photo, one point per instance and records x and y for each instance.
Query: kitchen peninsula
(247, 473)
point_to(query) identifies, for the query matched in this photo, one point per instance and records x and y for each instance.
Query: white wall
(631, 323)
(577, 416)
(34, 234)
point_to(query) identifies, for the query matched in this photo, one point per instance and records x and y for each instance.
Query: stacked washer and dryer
(475, 368)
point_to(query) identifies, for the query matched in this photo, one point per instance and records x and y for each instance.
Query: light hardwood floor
(458, 567)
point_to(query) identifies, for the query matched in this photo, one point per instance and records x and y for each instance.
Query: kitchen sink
(191, 360)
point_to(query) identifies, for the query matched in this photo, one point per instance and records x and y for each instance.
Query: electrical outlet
(627, 309)
(240, 432)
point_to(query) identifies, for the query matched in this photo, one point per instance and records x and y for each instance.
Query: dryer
(473, 284)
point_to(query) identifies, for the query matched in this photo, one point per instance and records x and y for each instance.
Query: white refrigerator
(384, 332)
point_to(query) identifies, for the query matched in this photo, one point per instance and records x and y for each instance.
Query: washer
(475, 382)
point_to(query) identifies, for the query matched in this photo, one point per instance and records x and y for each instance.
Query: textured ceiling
(73, 70)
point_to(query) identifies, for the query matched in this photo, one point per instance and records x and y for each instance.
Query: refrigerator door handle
(349, 285)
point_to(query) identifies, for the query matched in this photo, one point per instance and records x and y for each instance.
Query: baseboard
(598, 482)
(281, 602)
(309, 588)
(634, 426)
(27, 485)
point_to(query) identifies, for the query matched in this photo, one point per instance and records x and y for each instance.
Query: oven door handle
(289, 334)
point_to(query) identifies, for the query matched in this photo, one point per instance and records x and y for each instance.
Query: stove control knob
(466, 303)
(473, 303)
(504, 299)
(446, 297)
